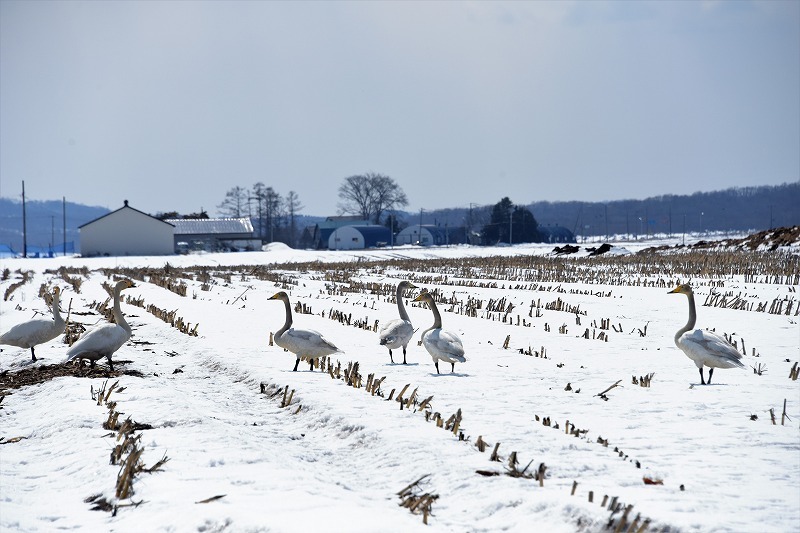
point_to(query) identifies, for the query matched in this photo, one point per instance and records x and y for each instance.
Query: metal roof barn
(214, 234)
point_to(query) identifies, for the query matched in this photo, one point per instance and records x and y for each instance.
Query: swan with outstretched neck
(441, 345)
(104, 340)
(397, 333)
(304, 343)
(37, 331)
(704, 347)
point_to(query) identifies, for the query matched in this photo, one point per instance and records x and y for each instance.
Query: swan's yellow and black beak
(421, 297)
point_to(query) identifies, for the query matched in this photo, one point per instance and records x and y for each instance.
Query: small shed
(126, 231)
(214, 234)
(425, 235)
(359, 237)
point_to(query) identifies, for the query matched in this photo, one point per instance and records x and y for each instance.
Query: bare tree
(387, 195)
(355, 196)
(369, 195)
(293, 207)
(257, 194)
(272, 204)
(234, 203)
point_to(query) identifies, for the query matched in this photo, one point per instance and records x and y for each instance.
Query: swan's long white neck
(692, 318)
(437, 318)
(400, 307)
(288, 323)
(119, 318)
(56, 311)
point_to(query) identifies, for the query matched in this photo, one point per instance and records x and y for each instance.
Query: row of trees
(275, 215)
(368, 195)
(373, 197)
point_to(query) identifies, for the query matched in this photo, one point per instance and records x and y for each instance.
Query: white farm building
(126, 231)
(358, 237)
(424, 235)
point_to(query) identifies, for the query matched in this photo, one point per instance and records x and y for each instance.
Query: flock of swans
(705, 348)
(97, 343)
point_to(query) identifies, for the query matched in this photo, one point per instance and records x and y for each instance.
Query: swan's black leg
(33, 355)
(404, 355)
(702, 378)
(311, 362)
(710, 372)
(437, 366)
(295, 365)
(390, 356)
(452, 367)
(110, 364)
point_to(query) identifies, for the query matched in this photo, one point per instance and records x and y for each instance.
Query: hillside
(732, 210)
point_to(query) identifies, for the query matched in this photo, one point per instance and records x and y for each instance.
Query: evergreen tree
(510, 224)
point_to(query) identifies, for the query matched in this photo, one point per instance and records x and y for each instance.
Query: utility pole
(64, 221)
(24, 224)
(683, 239)
(510, 226)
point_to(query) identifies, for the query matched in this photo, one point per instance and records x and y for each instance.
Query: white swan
(703, 347)
(37, 331)
(304, 343)
(442, 345)
(398, 332)
(104, 340)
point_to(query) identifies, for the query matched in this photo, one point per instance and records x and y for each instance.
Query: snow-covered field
(337, 456)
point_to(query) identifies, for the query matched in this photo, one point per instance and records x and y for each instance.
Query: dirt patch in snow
(33, 375)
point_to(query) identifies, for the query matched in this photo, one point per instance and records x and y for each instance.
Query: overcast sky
(171, 104)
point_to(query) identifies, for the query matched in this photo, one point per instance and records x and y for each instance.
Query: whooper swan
(106, 339)
(704, 347)
(304, 343)
(37, 331)
(442, 345)
(398, 332)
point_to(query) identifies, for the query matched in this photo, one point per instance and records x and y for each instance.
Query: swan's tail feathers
(736, 362)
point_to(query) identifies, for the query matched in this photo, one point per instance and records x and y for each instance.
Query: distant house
(323, 230)
(306, 239)
(359, 237)
(431, 235)
(213, 234)
(553, 234)
(126, 231)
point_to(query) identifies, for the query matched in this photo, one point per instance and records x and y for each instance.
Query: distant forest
(735, 209)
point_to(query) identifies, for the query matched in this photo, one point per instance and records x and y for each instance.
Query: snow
(336, 457)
